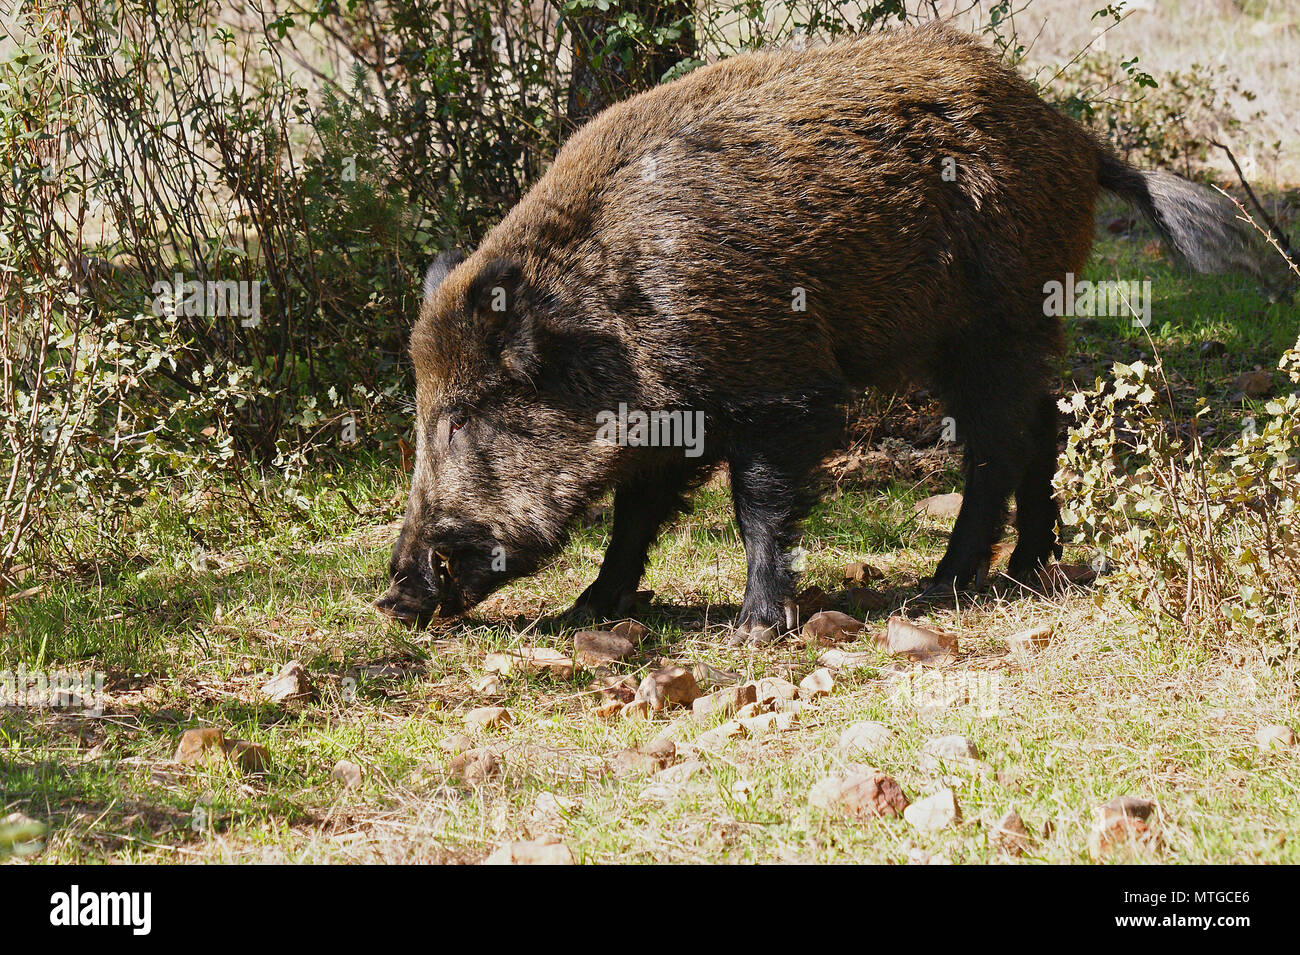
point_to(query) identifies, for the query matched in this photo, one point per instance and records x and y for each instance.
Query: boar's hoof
(938, 592)
(582, 615)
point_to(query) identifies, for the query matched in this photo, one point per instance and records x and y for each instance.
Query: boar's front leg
(641, 508)
(770, 499)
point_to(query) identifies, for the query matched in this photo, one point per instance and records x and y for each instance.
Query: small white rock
(951, 752)
(1276, 736)
(865, 737)
(816, 684)
(934, 812)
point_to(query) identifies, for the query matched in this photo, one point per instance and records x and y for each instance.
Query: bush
(1171, 123)
(1203, 541)
(215, 224)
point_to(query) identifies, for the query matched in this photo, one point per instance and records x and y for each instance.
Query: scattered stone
(940, 505)
(936, 811)
(649, 758)
(817, 684)
(20, 834)
(837, 659)
(1276, 736)
(1057, 577)
(668, 686)
(706, 675)
(528, 660)
(719, 735)
(487, 718)
(347, 772)
(725, 701)
(1028, 642)
(860, 573)
(773, 689)
(861, 793)
(948, 752)
(595, 648)
(250, 757)
(291, 683)
(636, 710)
(487, 685)
(552, 805)
(549, 809)
(1119, 832)
(622, 689)
(765, 723)
(830, 627)
(200, 745)
(474, 767)
(456, 743)
(503, 663)
(632, 630)
(1124, 807)
(919, 644)
(1010, 834)
(548, 850)
(1102, 842)
(865, 737)
(1256, 384)
(1121, 822)
(609, 709)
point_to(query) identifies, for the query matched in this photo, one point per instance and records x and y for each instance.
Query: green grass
(1102, 712)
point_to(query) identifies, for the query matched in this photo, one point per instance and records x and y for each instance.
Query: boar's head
(506, 450)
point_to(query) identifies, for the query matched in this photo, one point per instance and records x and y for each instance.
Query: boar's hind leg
(641, 507)
(998, 416)
(1036, 510)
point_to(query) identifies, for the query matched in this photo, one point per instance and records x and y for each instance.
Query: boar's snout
(447, 573)
(422, 584)
(407, 604)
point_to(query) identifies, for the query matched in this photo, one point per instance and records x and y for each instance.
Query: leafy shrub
(1170, 123)
(318, 154)
(1205, 541)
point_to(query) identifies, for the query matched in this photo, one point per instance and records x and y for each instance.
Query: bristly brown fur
(911, 193)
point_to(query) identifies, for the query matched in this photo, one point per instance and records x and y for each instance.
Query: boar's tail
(1202, 229)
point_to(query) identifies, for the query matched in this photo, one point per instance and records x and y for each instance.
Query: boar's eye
(454, 425)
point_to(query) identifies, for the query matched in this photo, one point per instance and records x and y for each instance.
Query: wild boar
(753, 245)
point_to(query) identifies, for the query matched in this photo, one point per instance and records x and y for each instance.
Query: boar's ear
(496, 296)
(442, 267)
(493, 292)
